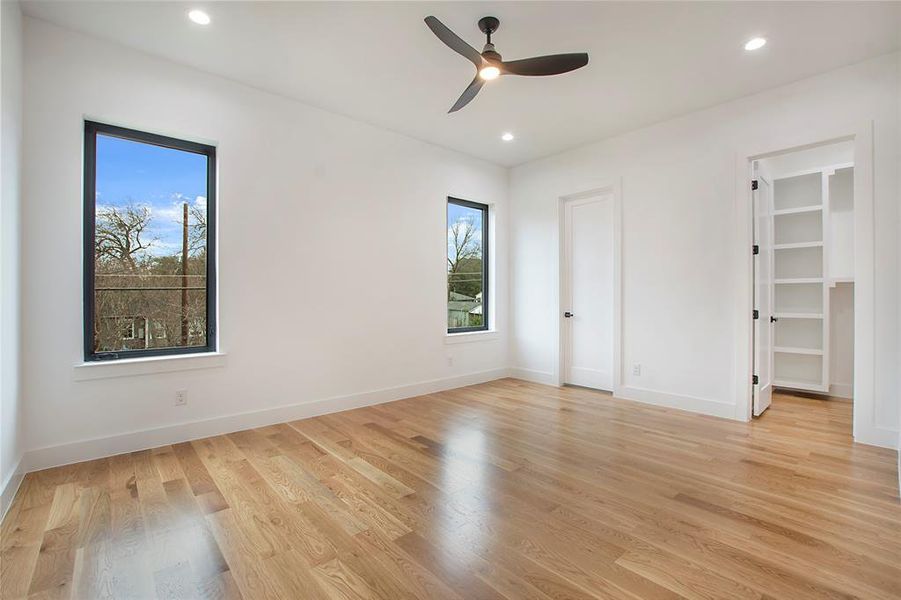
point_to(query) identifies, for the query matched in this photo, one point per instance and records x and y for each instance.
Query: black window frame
(91, 130)
(485, 264)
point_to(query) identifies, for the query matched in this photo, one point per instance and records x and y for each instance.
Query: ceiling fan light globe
(200, 17)
(490, 72)
(755, 44)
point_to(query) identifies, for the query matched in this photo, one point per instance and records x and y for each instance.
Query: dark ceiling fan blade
(468, 94)
(453, 41)
(546, 65)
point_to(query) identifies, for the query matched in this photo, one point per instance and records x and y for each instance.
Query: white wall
(898, 171)
(679, 221)
(791, 163)
(841, 340)
(11, 443)
(841, 224)
(331, 253)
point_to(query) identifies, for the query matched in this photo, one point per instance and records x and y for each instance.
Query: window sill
(131, 367)
(471, 336)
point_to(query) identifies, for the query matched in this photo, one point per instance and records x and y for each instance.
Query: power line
(144, 275)
(147, 289)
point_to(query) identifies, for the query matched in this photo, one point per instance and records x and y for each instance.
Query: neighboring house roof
(463, 303)
(461, 297)
(462, 306)
(477, 310)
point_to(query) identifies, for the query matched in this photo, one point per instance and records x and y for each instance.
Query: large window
(467, 266)
(149, 255)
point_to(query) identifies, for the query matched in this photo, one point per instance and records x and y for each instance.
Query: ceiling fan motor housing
(489, 25)
(490, 54)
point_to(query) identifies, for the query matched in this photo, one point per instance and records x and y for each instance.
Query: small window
(467, 266)
(128, 329)
(149, 237)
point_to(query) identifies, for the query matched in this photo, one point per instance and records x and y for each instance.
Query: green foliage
(467, 279)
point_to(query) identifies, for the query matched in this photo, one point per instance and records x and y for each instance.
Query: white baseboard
(877, 436)
(841, 390)
(543, 377)
(646, 396)
(10, 487)
(898, 447)
(689, 403)
(63, 454)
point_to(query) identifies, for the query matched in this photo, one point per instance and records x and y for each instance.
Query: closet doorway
(588, 284)
(803, 274)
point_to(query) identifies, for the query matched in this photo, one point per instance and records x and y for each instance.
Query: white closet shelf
(795, 211)
(800, 385)
(790, 350)
(798, 245)
(799, 280)
(798, 315)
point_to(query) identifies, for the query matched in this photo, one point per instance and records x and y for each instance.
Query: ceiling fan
(489, 64)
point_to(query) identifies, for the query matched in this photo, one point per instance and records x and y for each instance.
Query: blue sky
(161, 179)
(456, 213)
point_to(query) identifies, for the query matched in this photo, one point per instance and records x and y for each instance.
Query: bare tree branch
(197, 239)
(463, 244)
(117, 235)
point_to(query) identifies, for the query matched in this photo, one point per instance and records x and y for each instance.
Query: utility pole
(184, 275)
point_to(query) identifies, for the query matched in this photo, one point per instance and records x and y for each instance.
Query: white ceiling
(379, 63)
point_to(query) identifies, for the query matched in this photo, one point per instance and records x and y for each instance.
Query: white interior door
(763, 293)
(588, 292)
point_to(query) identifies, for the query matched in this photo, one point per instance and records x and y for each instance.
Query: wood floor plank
(245, 562)
(504, 490)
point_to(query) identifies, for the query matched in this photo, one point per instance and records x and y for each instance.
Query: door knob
(773, 319)
(568, 315)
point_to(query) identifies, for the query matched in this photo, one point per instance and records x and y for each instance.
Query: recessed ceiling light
(488, 73)
(199, 17)
(507, 137)
(755, 43)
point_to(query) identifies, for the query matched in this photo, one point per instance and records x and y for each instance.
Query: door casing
(614, 189)
(763, 390)
(865, 429)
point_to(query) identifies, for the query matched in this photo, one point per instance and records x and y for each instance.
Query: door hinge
(755, 249)
(753, 184)
(754, 380)
(756, 314)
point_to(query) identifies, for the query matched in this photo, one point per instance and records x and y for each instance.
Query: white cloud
(166, 220)
(169, 213)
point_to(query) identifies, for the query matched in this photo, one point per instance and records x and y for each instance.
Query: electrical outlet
(636, 369)
(181, 397)
(450, 361)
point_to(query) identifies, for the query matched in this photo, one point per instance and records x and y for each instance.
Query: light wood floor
(502, 490)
